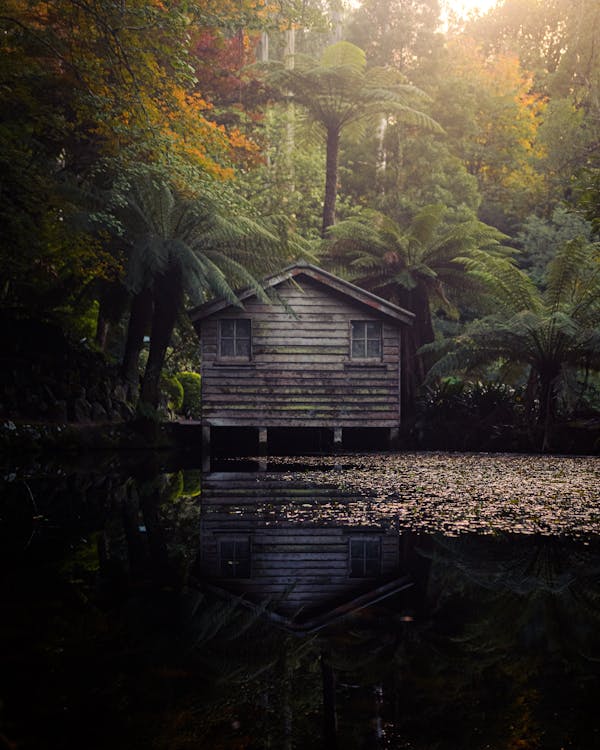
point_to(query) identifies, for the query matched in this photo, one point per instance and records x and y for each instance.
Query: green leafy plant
(173, 391)
(192, 392)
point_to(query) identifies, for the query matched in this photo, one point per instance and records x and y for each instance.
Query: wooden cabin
(324, 353)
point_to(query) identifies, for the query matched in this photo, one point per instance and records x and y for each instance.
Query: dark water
(146, 608)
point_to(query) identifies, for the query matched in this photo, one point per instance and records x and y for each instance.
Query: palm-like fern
(421, 268)
(180, 245)
(549, 332)
(337, 92)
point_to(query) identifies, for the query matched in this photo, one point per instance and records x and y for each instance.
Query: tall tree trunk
(331, 178)
(139, 323)
(381, 159)
(263, 54)
(337, 26)
(290, 113)
(168, 294)
(113, 300)
(547, 408)
(420, 333)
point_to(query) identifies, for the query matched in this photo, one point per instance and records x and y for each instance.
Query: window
(366, 339)
(365, 558)
(234, 558)
(234, 338)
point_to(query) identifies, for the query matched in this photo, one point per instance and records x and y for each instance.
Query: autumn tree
(557, 42)
(87, 93)
(491, 119)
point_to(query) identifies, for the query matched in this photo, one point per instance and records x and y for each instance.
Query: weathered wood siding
(298, 568)
(300, 373)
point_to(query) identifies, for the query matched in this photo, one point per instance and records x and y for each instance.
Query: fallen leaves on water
(441, 492)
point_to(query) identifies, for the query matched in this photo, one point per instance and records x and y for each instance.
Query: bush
(173, 391)
(192, 393)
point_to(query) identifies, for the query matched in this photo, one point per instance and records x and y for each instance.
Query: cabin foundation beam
(263, 441)
(337, 438)
(206, 447)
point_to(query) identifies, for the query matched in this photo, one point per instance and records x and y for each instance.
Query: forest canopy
(154, 153)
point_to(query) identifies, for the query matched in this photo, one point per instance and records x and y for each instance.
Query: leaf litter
(452, 493)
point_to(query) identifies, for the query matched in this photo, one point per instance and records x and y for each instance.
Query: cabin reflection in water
(306, 574)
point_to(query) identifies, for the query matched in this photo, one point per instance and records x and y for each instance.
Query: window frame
(366, 358)
(364, 540)
(236, 560)
(235, 338)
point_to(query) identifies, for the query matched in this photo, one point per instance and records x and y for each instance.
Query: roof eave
(378, 304)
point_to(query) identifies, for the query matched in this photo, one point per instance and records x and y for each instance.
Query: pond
(412, 601)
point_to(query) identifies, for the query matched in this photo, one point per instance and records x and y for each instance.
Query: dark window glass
(234, 555)
(234, 338)
(365, 558)
(366, 339)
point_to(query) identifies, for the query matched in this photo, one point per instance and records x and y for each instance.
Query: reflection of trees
(511, 641)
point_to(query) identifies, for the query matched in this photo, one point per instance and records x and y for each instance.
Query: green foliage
(291, 179)
(397, 33)
(401, 171)
(551, 334)
(540, 238)
(455, 412)
(182, 243)
(422, 265)
(172, 391)
(192, 393)
(192, 483)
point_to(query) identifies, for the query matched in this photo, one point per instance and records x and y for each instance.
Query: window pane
(243, 329)
(373, 330)
(373, 348)
(235, 558)
(366, 339)
(358, 329)
(242, 348)
(358, 349)
(365, 558)
(228, 328)
(227, 348)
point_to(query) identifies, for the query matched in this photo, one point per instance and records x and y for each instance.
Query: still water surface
(414, 601)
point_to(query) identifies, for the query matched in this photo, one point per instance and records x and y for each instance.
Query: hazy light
(463, 8)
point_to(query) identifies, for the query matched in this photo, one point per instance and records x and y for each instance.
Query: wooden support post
(394, 437)
(206, 447)
(262, 441)
(337, 438)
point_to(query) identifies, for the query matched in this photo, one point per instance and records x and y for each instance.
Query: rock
(119, 392)
(127, 410)
(82, 410)
(99, 413)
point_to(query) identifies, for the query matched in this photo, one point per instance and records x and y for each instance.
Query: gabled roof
(296, 272)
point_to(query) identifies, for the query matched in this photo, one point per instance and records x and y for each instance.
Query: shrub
(172, 390)
(192, 393)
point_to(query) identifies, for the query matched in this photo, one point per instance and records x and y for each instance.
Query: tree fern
(338, 92)
(192, 244)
